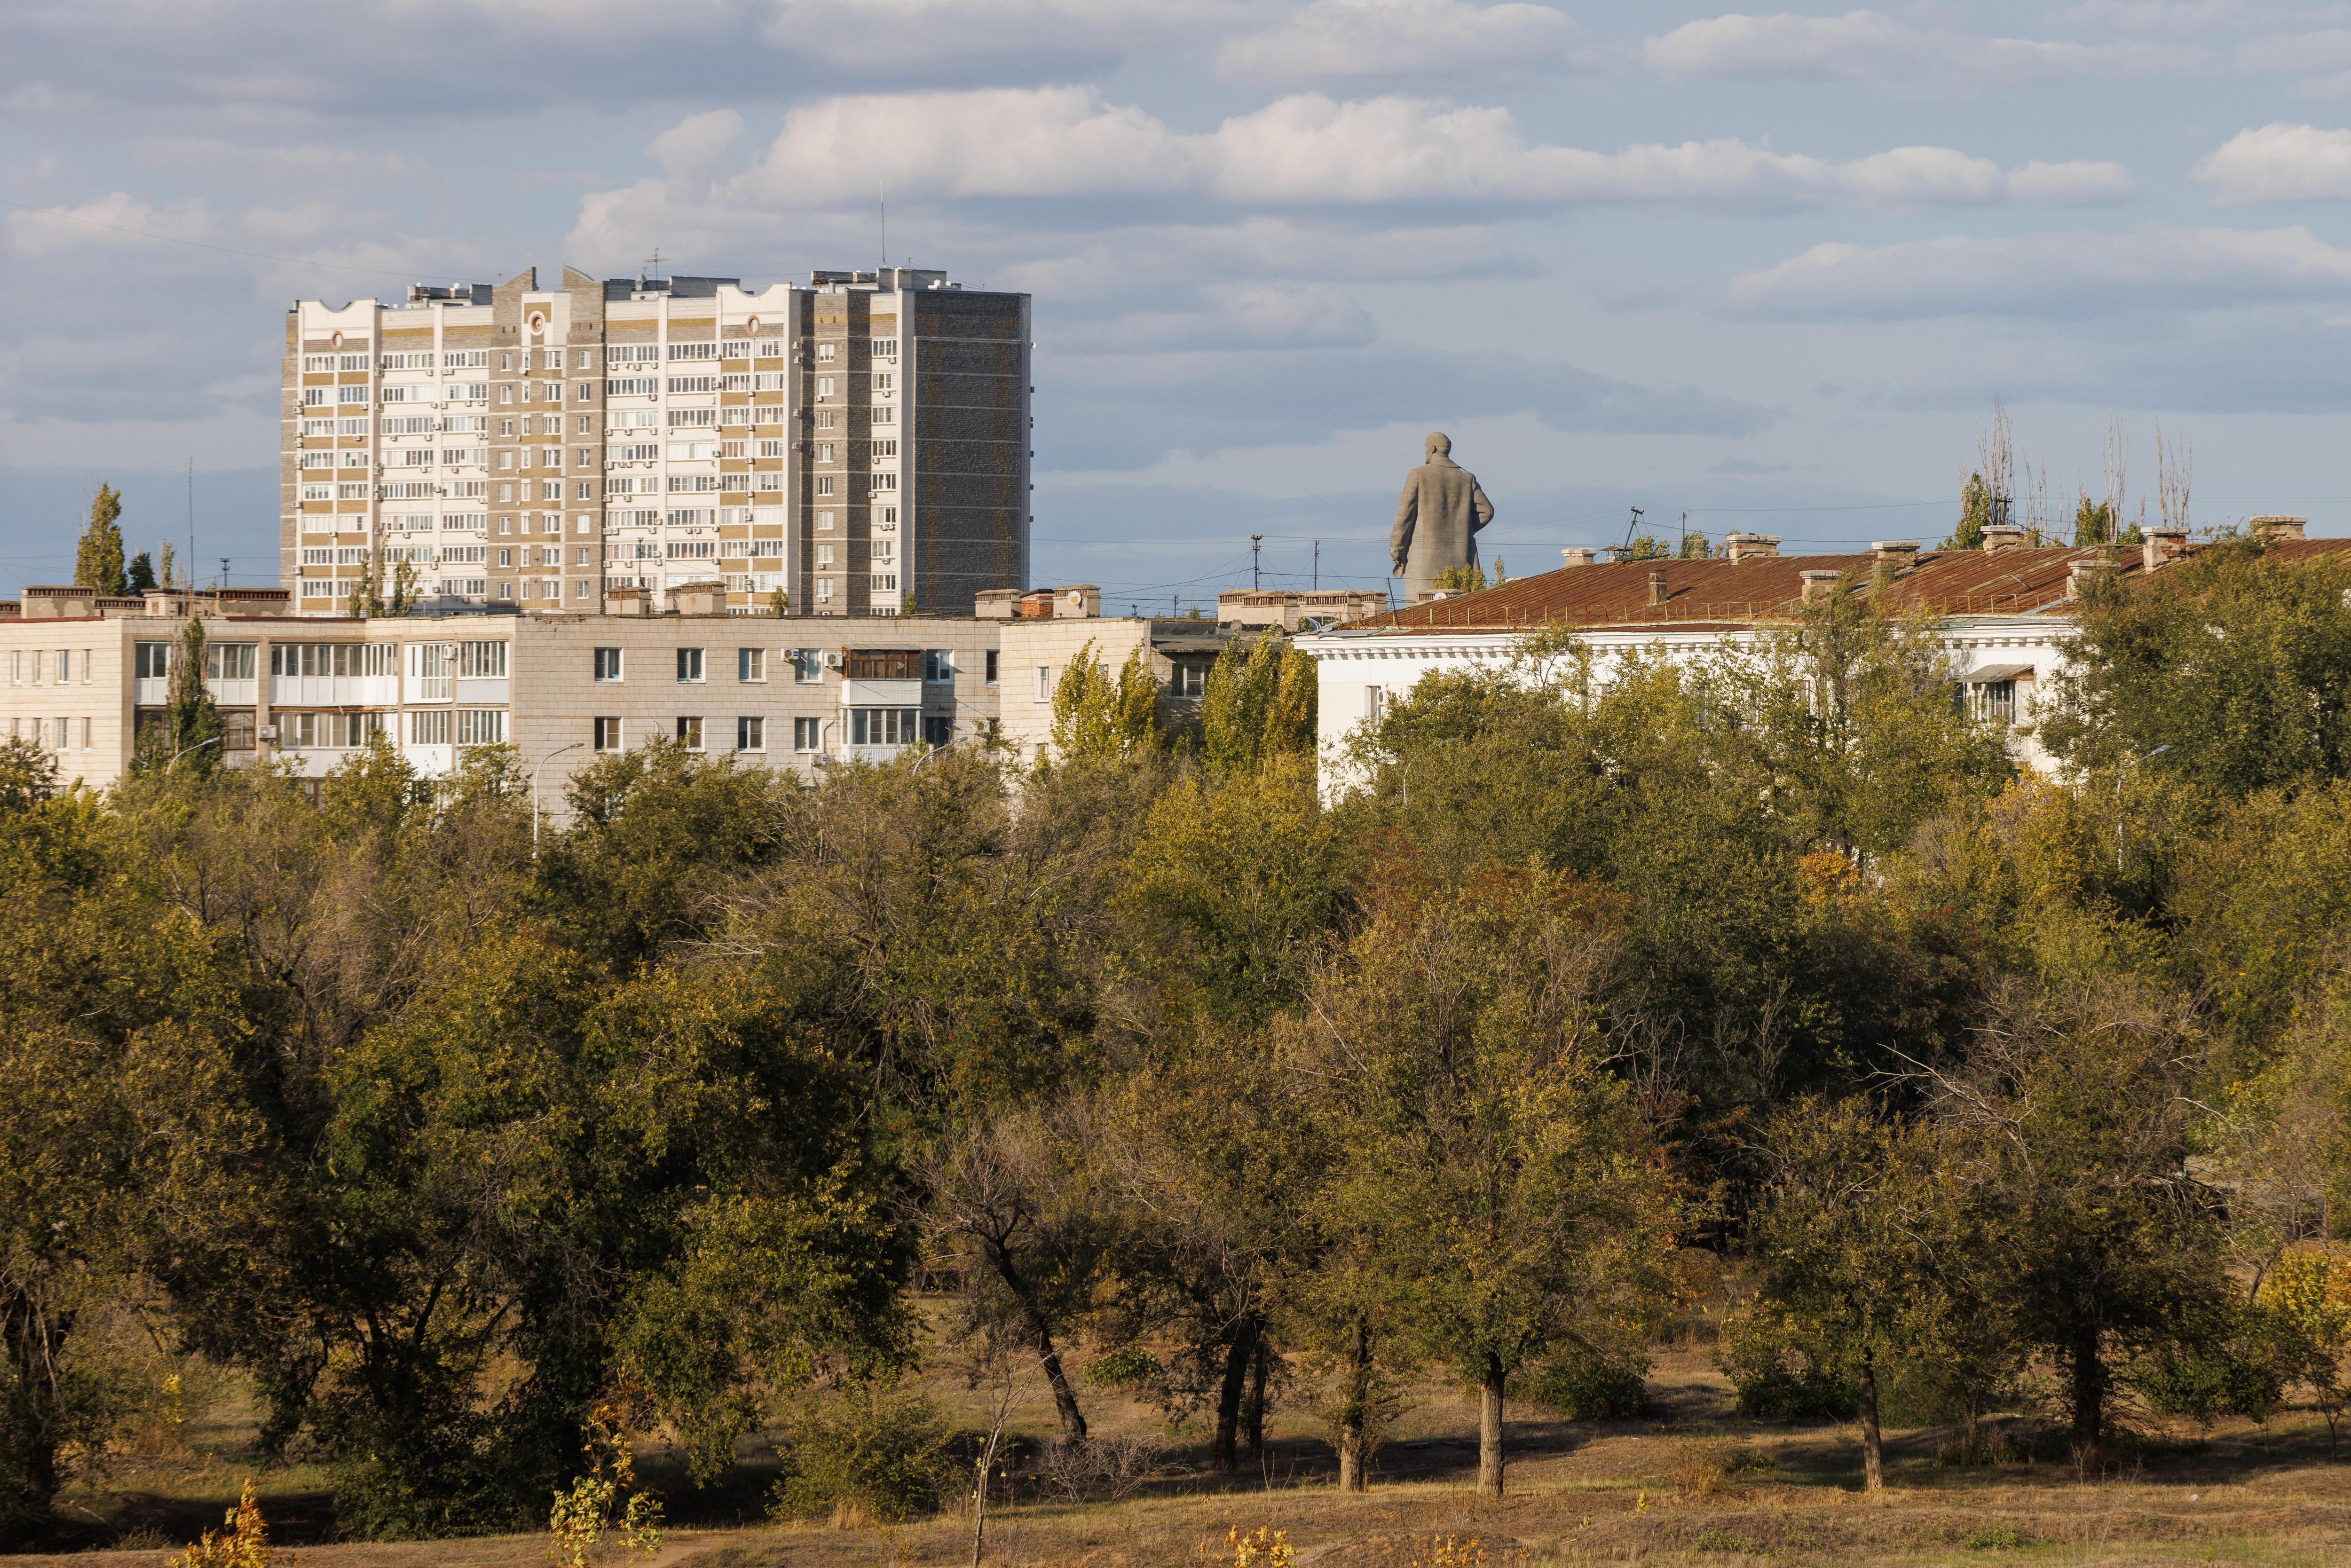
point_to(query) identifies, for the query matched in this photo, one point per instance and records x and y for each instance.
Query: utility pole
(1257, 542)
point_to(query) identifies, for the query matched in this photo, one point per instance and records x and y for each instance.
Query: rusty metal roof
(1718, 595)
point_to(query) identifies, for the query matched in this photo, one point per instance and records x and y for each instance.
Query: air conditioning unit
(267, 732)
(832, 661)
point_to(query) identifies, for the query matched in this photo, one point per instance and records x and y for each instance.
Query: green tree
(1510, 1179)
(2070, 1127)
(1975, 514)
(97, 561)
(125, 1133)
(190, 738)
(165, 566)
(1098, 718)
(1854, 1242)
(1469, 577)
(1258, 704)
(2225, 672)
(141, 575)
(2094, 523)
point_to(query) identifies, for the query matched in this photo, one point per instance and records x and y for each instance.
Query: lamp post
(534, 791)
(184, 750)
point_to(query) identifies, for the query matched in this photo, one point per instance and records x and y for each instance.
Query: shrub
(1130, 1367)
(2237, 1377)
(1583, 1385)
(1076, 1468)
(880, 1449)
(1779, 1372)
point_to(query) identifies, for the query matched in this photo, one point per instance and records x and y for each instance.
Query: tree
(1097, 718)
(97, 561)
(164, 562)
(1509, 1181)
(1851, 1242)
(143, 574)
(1258, 704)
(126, 1136)
(2070, 1132)
(2226, 671)
(191, 736)
(1004, 1205)
(1976, 513)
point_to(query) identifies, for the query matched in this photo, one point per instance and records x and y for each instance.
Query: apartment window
(750, 734)
(223, 662)
(938, 665)
(1187, 679)
(1376, 699)
(991, 667)
(608, 663)
(884, 414)
(823, 590)
(808, 734)
(608, 731)
(823, 387)
(481, 661)
(481, 727)
(689, 665)
(751, 665)
(430, 727)
(824, 522)
(64, 665)
(808, 666)
(827, 352)
(884, 725)
(937, 731)
(689, 731)
(153, 661)
(1044, 682)
(824, 485)
(884, 381)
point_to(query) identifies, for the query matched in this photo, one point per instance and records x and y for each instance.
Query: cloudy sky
(1771, 270)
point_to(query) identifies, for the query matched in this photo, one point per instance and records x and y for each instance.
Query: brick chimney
(2166, 543)
(1999, 537)
(1819, 584)
(2079, 572)
(1897, 555)
(1741, 546)
(1657, 594)
(2271, 529)
(1577, 555)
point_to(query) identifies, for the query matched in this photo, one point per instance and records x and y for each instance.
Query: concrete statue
(1438, 522)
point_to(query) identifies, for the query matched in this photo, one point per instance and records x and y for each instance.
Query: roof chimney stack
(1741, 546)
(2166, 543)
(1819, 584)
(1899, 555)
(1999, 537)
(2271, 529)
(1657, 594)
(1576, 555)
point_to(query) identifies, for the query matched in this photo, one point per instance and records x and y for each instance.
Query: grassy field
(1691, 1485)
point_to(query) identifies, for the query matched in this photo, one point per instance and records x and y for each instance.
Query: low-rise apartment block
(84, 677)
(860, 444)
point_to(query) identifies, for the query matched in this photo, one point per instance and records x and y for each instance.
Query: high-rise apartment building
(861, 443)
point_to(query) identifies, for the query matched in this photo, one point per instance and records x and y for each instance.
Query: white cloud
(2280, 163)
(1360, 40)
(1872, 45)
(1312, 149)
(695, 147)
(118, 221)
(1249, 316)
(2068, 275)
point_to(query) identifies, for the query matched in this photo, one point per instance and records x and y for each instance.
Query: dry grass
(1694, 1487)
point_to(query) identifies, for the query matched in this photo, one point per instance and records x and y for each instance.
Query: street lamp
(534, 791)
(184, 750)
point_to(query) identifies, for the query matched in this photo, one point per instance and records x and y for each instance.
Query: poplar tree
(97, 562)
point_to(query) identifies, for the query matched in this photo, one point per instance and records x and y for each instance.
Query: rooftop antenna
(881, 200)
(1318, 566)
(191, 532)
(1681, 545)
(1629, 528)
(1257, 542)
(224, 576)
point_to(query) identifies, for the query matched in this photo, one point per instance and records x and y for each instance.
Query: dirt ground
(1691, 1484)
